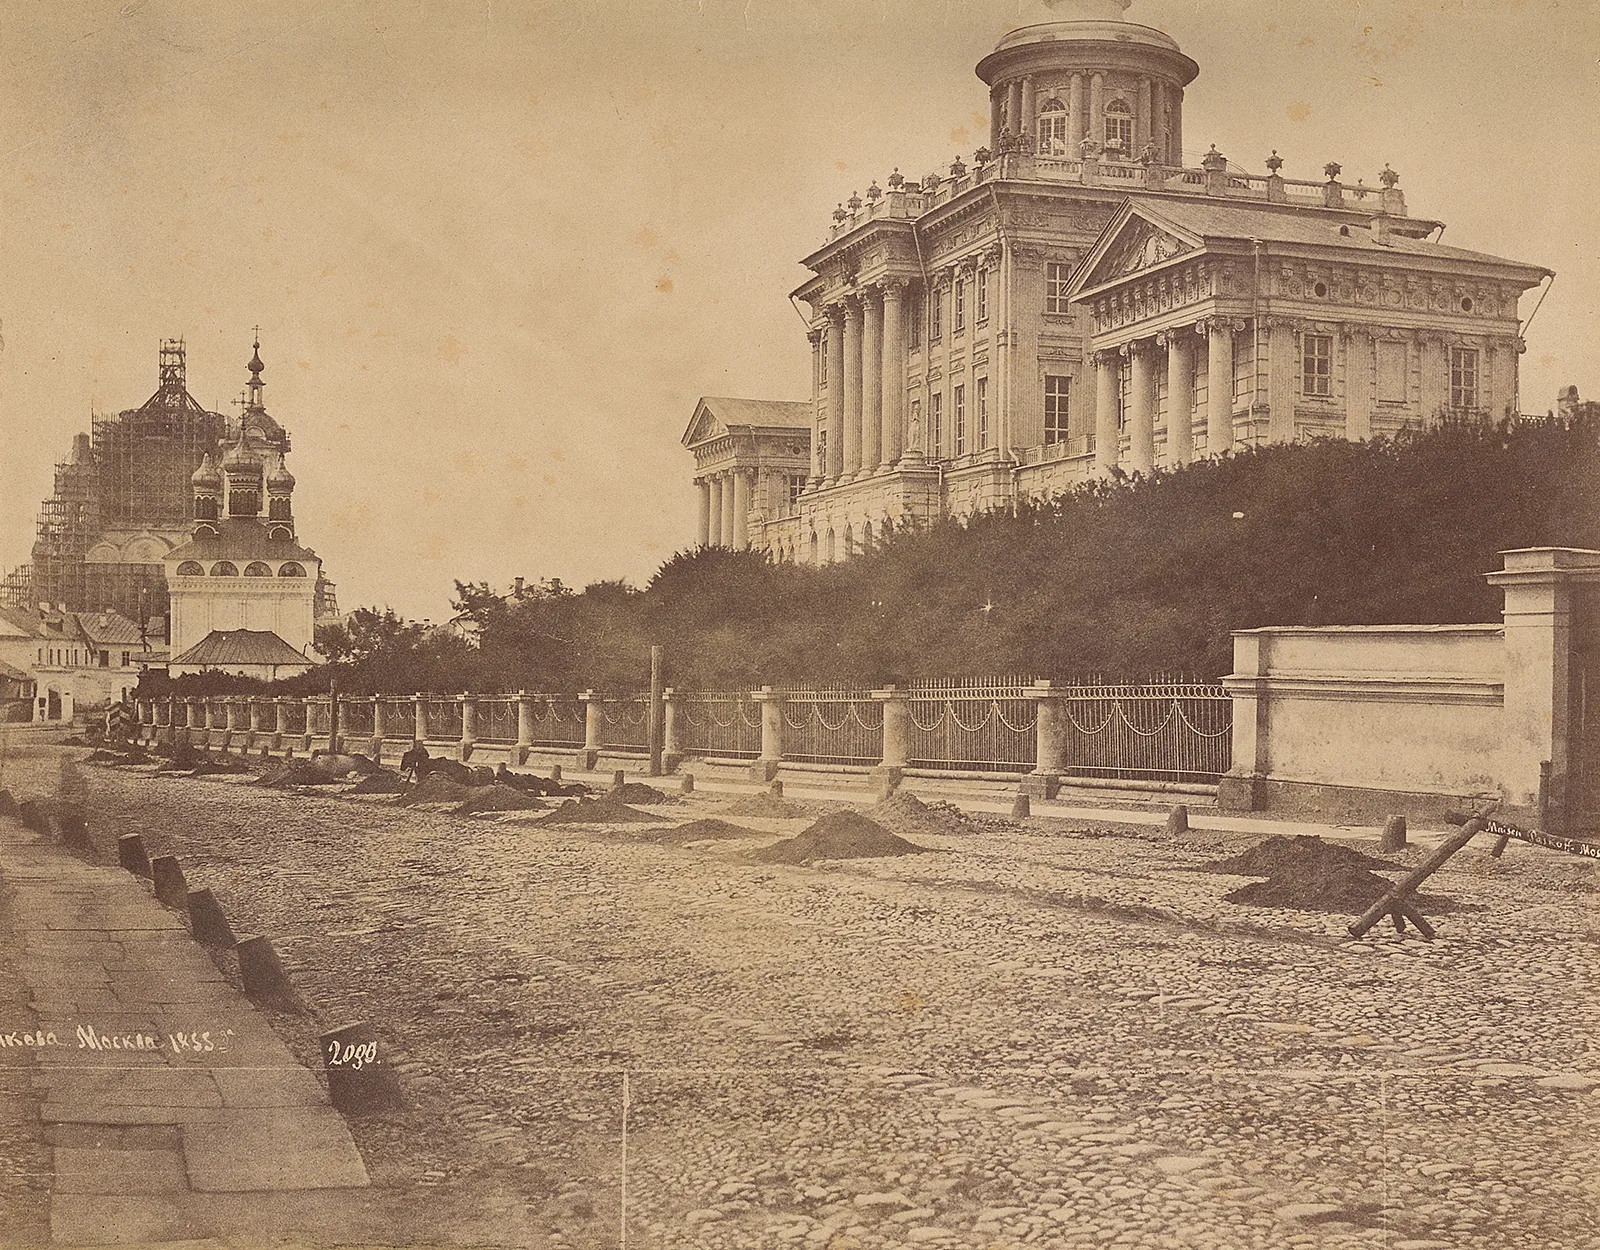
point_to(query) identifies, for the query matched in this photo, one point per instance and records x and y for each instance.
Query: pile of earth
(1307, 874)
(766, 804)
(904, 813)
(638, 792)
(838, 835)
(128, 753)
(436, 788)
(498, 798)
(608, 809)
(381, 782)
(707, 830)
(543, 786)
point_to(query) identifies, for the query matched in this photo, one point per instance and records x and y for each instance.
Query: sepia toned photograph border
(837, 624)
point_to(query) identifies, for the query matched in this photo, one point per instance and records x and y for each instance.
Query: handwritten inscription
(355, 1056)
(90, 1037)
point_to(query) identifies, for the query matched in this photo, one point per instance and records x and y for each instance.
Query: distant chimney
(519, 588)
(1380, 229)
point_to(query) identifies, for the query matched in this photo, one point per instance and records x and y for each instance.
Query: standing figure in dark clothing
(414, 763)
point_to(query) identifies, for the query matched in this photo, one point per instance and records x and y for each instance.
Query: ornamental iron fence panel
(1172, 732)
(557, 721)
(497, 718)
(832, 727)
(982, 726)
(627, 722)
(355, 718)
(294, 717)
(399, 720)
(718, 722)
(442, 717)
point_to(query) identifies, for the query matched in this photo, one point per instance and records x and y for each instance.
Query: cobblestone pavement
(1034, 1035)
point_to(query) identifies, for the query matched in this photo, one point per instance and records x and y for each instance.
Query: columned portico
(1142, 407)
(704, 492)
(872, 369)
(715, 499)
(1180, 396)
(741, 510)
(1107, 425)
(727, 513)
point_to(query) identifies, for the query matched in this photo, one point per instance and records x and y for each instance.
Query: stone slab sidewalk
(172, 1110)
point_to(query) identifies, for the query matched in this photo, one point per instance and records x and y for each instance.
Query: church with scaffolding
(153, 481)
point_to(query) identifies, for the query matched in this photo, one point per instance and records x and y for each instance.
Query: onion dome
(206, 474)
(240, 458)
(280, 479)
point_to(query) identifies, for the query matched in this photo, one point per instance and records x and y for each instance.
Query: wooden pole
(657, 711)
(1401, 893)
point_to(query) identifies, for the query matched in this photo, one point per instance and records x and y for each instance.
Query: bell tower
(1083, 81)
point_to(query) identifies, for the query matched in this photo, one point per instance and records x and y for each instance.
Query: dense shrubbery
(1123, 579)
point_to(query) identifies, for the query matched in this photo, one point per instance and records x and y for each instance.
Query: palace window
(1057, 277)
(291, 569)
(982, 398)
(1056, 390)
(1119, 127)
(1316, 365)
(1464, 379)
(983, 296)
(822, 363)
(959, 416)
(1391, 372)
(797, 485)
(935, 424)
(191, 568)
(224, 568)
(935, 315)
(961, 305)
(915, 323)
(257, 568)
(1053, 129)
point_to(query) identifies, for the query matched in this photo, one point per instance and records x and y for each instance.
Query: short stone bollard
(1393, 837)
(132, 855)
(1178, 820)
(619, 779)
(686, 785)
(1021, 806)
(775, 788)
(262, 972)
(360, 1080)
(206, 921)
(171, 888)
(555, 772)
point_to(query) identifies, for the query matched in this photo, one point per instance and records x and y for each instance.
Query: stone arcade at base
(1086, 299)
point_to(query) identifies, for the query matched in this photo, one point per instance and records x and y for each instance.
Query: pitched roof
(14, 623)
(12, 674)
(109, 628)
(240, 539)
(240, 646)
(768, 413)
(1199, 222)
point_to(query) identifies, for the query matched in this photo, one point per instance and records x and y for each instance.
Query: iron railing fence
(627, 722)
(399, 719)
(497, 719)
(982, 726)
(442, 719)
(724, 723)
(1181, 732)
(824, 726)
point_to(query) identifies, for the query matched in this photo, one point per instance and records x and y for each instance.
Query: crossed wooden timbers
(1398, 902)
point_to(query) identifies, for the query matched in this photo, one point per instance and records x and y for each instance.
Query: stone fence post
(524, 746)
(280, 721)
(254, 740)
(469, 725)
(1243, 788)
(896, 738)
(593, 729)
(380, 728)
(1048, 748)
(771, 703)
(671, 752)
(419, 714)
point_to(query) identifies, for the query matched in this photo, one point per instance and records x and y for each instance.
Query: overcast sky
(498, 248)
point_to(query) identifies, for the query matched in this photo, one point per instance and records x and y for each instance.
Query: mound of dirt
(434, 788)
(766, 804)
(543, 786)
(904, 813)
(291, 773)
(838, 835)
(705, 830)
(498, 798)
(1340, 888)
(638, 792)
(381, 782)
(608, 809)
(1303, 855)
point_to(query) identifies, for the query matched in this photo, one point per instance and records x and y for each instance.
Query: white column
(834, 466)
(741, 510)
(1219, 387)
(1180, 396)
(1030, 111)
(728, 511)
(1097, 108)
(819, 360)
(1078, 126)
(1142, 408)
(1107, 431)
(872, 382)
(703, 488)
(1143, 126)
(894, 369)
(852, 388)
(714, 500)
(1014, 105)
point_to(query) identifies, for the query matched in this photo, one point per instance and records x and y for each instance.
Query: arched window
(813, 546)
(1119, 127)
(224, 568)
(291, 569)
(888, 528)
(849, 543)
(257, 569)
(832, 554)
(1053, 128)
(191, 568)
(866, 536)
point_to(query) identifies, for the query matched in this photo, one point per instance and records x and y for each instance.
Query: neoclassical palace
(1081, 300)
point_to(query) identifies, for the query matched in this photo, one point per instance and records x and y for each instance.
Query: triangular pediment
(703, 427)
(1139, 245)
